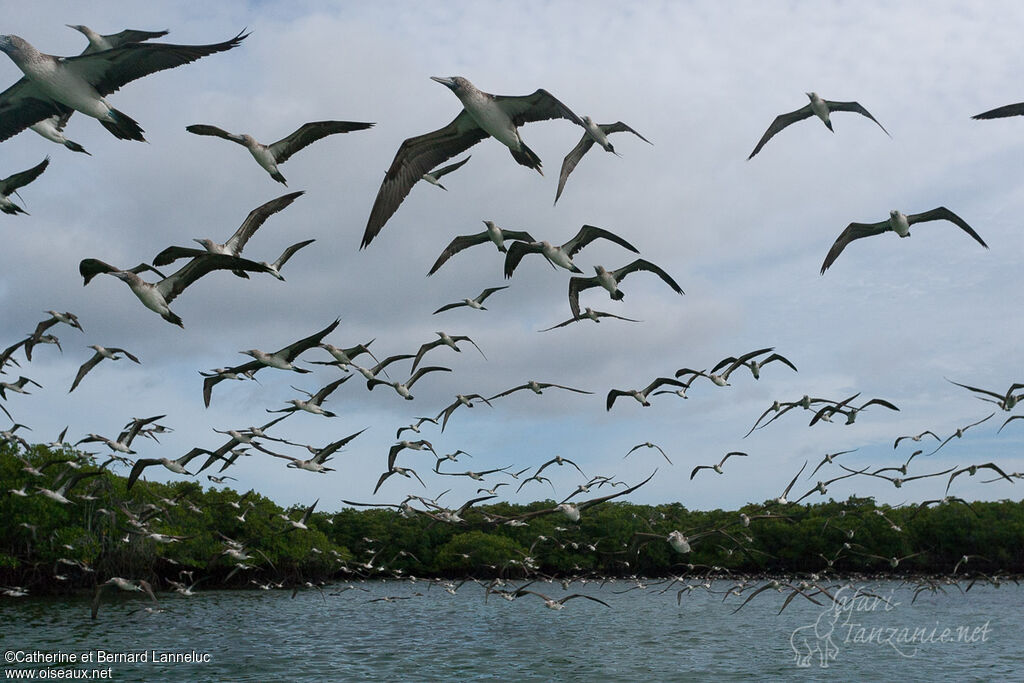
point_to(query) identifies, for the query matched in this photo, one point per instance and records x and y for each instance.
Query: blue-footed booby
(11, 183)
(101, 353)
(434, 177)
(588, 313)
(236, 243)
(280, 358)
(483, 115)
(595, 133)
(99, 43)
(900, 224)
(561, 255)
(158, 296)
(610, 281)
(476, 303)
(58, 85)
(817, 107)
(492, 234)
(269, 156)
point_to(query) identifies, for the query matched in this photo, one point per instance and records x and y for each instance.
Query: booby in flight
(588, 314)
(900, 224)
(561, 255)
(58, 85)
(493, 234)
(483, 115)
(52, 127)
(269, 156)
(595, 133)
(476, 303)
(11, 183)
(610, 281)
(280, 358)
(236, 243)
(817, 107)
(433, 177)
(101, 353)
(158, 296)
(99, 43)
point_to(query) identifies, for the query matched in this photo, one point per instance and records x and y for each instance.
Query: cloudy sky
(745, 239)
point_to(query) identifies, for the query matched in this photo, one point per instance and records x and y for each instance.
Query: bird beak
(444, 81)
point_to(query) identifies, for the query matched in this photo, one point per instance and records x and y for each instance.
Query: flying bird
(475, 303)
(483, 115)
(313, 403)
(561, 256)
(236, 243)
(588, 314)
(52, 127)
(717, 468)
(538, 388)
(109, 353)
(158, 296)
(282, 359)
(460, 400)
(58, 85)
(492, 233)
(648, 444)
(594, 133)
(38, 335)
(434, 176)
(444, 340)
(402, 388)
(1007, 401)
(99, 43)
(11, 183)
(900, 224)
(641, 395)
(817, 107)
(269, 156)
(320, 457)
(610, 281)
(959, 433)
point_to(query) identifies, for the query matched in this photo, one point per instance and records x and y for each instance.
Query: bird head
(455, 83)
(11, 43)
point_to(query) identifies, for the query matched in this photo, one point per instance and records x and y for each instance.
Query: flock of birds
(53, 88)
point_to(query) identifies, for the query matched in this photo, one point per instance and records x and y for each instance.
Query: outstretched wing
(415, 157)
(23, 104)
(1001, 112)
(854, 231)
(256, 218)
(856, 108)
(570, 161)
(944, 214)
(540, 105)
(589, 233)
(643, 264)
(780, 122)
(13, 182)
(308, 133)
(107, 71)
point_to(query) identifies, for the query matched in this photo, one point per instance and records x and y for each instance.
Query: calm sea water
(436, 636)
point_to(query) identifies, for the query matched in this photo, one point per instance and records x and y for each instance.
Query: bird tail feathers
(123, 127)
(525, 156)
(75, 147)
